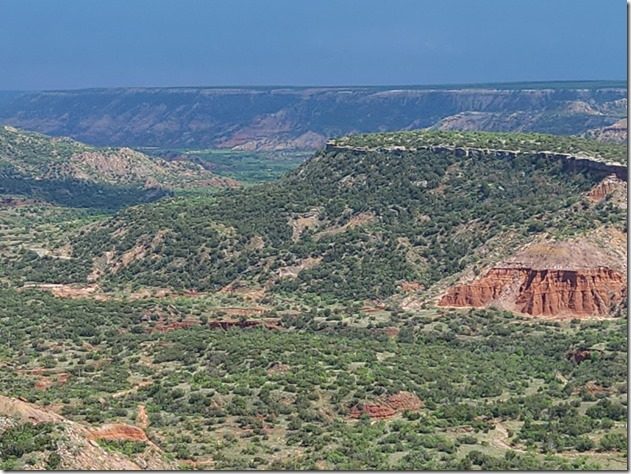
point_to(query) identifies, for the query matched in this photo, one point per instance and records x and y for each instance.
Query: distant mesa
(273, 118)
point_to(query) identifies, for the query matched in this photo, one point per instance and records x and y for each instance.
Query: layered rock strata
(542, 292)
(567, 278)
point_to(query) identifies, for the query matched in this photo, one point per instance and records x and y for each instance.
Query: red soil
(118, 432)
(608, 186)
(47, 381)
(573, 278)
(387, 407)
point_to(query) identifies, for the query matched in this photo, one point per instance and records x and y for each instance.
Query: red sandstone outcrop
(118, 432)
(78, 446)
(548, 279)
(610, 186)
(387, 407)
(543, 292)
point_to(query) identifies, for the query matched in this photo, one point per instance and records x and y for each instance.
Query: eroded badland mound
(70, 173)
(388, 406)
(571, 278)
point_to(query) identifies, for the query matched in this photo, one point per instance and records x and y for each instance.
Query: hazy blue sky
(47, 44)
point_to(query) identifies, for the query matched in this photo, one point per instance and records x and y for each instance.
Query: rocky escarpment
(543, 292)
(548, 279)
(264, 118)
(614, 133)
(610, 187)
(388, 406)
(570, 161)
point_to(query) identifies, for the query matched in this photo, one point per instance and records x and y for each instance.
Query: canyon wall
(543, 292)
(275, 118)
(570, 162)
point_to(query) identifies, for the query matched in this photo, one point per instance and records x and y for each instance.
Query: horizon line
(467, 85)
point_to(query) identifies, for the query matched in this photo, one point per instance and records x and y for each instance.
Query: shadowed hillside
(66, 172)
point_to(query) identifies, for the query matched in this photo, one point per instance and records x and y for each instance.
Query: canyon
(280, 118)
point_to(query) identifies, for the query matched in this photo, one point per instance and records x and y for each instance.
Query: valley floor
(439, 389)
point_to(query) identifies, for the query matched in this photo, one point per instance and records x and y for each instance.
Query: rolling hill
(369, 218)
(423, 300)
(63, 171)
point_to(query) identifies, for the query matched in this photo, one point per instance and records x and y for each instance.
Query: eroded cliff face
(77, 446)
(543, 292)
(611, 186)
(263, 118)
(614, 133)
(388, 406)
(571, 278)
(570, 162)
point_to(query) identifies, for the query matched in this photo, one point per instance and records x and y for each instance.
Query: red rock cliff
(610, 186)
(581, 292)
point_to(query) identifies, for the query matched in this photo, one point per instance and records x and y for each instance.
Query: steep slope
(58, 443)
(69, 172)
(614, 133)
(303, 118)
(357, 221)
(567, 278)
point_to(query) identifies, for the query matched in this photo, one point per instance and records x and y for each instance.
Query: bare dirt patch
(302, 222)
(292, 271)
(355, 221)
(48, 381)
(388, 406)
(118, 432)
(142, 419)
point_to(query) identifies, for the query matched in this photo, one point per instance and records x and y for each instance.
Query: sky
(68, 44)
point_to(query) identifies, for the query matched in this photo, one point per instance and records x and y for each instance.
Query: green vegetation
(77, 193)
(126, 447)
(523, 142)
(247, 167)
(369, 221)
(291, 379)
(19, 441)
(258, 398)
(71, 174)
